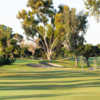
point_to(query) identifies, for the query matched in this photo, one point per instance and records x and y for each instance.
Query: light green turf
(19, 82)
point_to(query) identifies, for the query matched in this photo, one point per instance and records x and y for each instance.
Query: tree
(7, 45)
(27, 48)
(40, 20)
(50, 26)
(88, 51)
(93, 7)
(77, 39)
(74, 26)
(17, 37)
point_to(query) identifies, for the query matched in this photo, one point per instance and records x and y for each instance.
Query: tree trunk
(49, 54)
(76, 61)
(48, 57)
(87, 62)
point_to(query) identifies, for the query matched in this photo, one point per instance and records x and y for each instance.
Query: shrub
(7, 60)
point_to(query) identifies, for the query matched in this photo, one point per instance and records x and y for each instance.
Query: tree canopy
(93, 7)
(7, 45)
(51, 26)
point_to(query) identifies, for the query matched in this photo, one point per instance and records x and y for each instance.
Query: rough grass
(19, 82)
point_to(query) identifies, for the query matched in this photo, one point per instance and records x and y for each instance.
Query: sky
(9, 10)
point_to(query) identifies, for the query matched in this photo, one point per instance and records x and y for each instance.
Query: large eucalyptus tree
(39, 21)
(74, 27)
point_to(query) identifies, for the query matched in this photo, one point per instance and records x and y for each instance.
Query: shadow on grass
(43, 85)
(48, 75)
(45, 82)
(61, 63)
(39, 81)
(32, 96)
(51, 87)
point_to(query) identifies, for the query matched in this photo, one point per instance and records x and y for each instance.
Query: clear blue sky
(10, 8)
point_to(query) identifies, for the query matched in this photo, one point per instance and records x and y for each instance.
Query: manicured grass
(20, 82)
(26, 61)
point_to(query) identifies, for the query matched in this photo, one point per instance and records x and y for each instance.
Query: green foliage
(62, 53)
(7, 45)
(5, 61)
(74, 26)
(24, 52)
(39, 53)
(40, 20)
(52, 27)
(88, 51)
(39, 13)
(67, 21)
(17, 37)
(93, 7)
